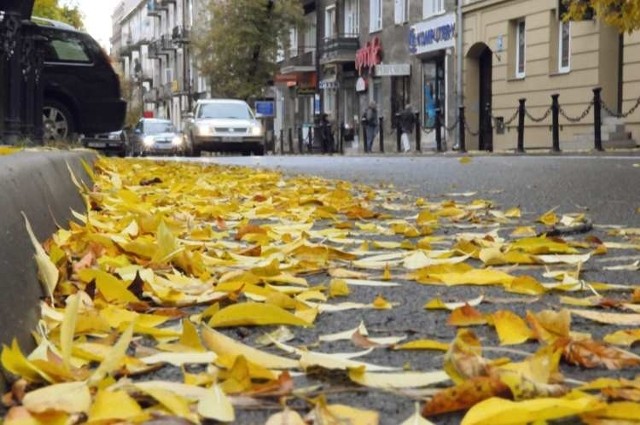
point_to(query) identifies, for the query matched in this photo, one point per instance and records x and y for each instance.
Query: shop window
(432, 7)
(564, 46)
(518, 48)
(375, 15)
(401, 14)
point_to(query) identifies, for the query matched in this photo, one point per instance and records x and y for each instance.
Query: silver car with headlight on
(155, 136)
(224, 125)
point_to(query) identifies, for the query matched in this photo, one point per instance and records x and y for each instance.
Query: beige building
(517, 49)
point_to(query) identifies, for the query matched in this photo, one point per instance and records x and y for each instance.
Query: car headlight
(148, 140)
(256, 130)
(176, 141)
(204, 130)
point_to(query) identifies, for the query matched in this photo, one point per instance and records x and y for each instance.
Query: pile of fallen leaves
(189, 293)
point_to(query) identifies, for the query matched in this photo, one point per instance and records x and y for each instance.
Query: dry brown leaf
(590, 354)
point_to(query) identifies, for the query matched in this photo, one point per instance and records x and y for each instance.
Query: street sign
(265, 108)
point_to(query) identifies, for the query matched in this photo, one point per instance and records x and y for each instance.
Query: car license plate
(97, 144)
(229, 139)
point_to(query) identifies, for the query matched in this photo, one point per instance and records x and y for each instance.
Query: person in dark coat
(371, 121)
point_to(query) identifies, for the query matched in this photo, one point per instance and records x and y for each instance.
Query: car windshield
(156, 127)
(225, 110)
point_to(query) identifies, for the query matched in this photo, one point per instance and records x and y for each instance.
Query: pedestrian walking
(371, 121)
(326, 133)
(407, 123)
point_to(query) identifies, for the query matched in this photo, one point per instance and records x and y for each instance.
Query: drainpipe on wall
(459, 54)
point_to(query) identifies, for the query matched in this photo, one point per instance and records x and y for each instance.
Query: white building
(151, 41)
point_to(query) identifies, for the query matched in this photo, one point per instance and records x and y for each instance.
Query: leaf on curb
(397, 379)
(590, 354)
(464, 395)
(510, 327)
(250, 314)
(47, 271)
(69, 397)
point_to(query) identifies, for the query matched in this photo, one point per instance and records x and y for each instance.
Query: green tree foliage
(236, 41)
(52, 9)
(622, 14)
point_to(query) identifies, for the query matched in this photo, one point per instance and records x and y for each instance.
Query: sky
(97, 18)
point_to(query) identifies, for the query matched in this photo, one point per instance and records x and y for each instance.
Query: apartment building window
(521, 48)
(564, 46)
(310, 33)
(352, 17)
(401, 11)
(293, 42)
(280, 52)
(432, 7)
(375, 15)
(330, 21)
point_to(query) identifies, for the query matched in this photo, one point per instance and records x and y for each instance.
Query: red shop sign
(369, 56)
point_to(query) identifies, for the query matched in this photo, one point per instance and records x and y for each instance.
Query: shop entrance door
(433, 92)
(400, 96)
(486, 130)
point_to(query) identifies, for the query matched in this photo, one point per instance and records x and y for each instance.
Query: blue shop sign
(433, 34)
(265, 108)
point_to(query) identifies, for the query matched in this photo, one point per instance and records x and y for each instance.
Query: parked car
(113, 142)
(224, 125)
(156, 136)
(81, 89)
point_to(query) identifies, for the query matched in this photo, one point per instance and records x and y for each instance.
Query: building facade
(523, 49)
(151, 40)
(396, 53)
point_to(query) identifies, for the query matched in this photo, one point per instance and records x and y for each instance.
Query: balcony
(154, 50)
(340, 49)
(151, 96)
(166, 44)
(180, 35)
(302, 59)
(153, 8)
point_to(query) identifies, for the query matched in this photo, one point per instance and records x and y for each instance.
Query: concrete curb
(38, 184)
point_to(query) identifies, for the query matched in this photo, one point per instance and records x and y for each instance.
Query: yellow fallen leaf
(174, 403)
(626, 337)
(465, 160)
(338, 288)
(286, 417)
(69, 397)
(563, 259)
(114, 358)
(336, 414)
(621, 319)
(14, 361)
(68, 327)
(396, 380)
(549, 218)
(337, 362)
(246, 314)
(499, 411)
(622, 412)
(114, 290)
(511, 328)
(110, 406)
(423, 344)
(474, 277)
(438, 304)
(47, 271)
(216, 405)
(190, 337)
(180, 359)
(223, 345)
(380, 303)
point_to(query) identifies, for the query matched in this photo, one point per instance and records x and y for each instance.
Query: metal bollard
(311, 136)
(438, 127)
(300, 146)
(398, 134)
(597, 118)
(462, 145)
(418, 133)
(290, 140)
(555, 123)
(341, 138)
(364, 135)
(281, 141)
(381, 130)
(521, 113)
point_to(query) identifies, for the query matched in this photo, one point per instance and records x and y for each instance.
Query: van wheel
(57, 121)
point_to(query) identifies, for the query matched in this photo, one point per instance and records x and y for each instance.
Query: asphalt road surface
(606, 188)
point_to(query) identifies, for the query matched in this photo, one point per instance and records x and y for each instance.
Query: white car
(224, 125)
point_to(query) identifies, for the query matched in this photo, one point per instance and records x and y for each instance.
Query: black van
(81, 89)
